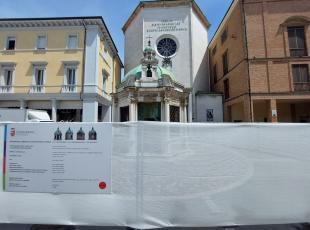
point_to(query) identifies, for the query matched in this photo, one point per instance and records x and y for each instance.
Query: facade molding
(58, 22)
(296, 20)
(39, 96)
(4, 51)
(223, 22)
(171, 3)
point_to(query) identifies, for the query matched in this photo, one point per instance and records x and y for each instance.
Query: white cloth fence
(189, 175)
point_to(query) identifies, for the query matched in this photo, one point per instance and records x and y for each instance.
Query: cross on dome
(149, 41)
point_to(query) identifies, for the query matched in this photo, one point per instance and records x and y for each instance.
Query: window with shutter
(39, 77)
(6, 81)
(41, 42)
(10, 44)
(226, 89)
(215, 73)
(224, 36)
(71, 76)
(225, 63)
(72, 42)
(300, 73)
(105, 76)
(297, 41)
(70, 79)
(8, 77)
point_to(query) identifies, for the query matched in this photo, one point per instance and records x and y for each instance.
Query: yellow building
(67, 66)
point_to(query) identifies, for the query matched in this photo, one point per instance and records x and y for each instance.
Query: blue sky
(114, 12)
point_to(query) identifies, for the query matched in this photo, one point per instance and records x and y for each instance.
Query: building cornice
(73, 62)
(171, 3)
(223, 22)
(40, 96)
(233, 5)
(8, 63)
(15, 23)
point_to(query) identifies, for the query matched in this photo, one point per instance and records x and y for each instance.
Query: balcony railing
(53, 89)
(37, 89)
(301, 86)
(6, 89)
(298, 52)
(69, 88)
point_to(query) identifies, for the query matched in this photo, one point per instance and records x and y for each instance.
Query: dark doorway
(174, 114)
(49, 111)
(69, 115)
(304, 119)
(149, 112)
(99, 113)
(226, 89)
(149, 71)
(124, 114)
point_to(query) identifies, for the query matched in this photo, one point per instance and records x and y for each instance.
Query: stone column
(273, 112)
(143, 73)
(90, 111)
(162, 112)
(115, 110)
(78, 115)
(154, 73)
(181, 108)
(23, 104)
(190, 107)
(167, 110)
(185, 113)
(132, 111)
(248, 110)
(54, 110)
(106, 113)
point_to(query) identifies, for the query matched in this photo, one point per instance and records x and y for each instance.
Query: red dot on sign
(102, 185)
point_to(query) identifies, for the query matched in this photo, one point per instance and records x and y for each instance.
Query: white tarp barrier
(187, 175)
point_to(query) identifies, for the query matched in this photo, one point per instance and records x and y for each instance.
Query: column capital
(54, 101)
(132, 100)
(166, 99)
(183, 103)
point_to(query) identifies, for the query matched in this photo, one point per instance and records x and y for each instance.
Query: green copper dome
(137, 72)
(148, 49)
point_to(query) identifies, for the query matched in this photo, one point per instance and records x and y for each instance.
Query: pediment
(296, 21)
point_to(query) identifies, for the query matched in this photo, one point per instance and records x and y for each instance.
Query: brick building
(259, 61)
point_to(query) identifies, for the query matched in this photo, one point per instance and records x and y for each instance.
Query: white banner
(189, 175)
(58, 158)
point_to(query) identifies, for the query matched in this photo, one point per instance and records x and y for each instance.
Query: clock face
(166, 47)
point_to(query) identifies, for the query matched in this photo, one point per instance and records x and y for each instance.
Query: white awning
(38, 115)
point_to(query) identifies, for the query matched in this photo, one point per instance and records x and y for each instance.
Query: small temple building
(150, 92)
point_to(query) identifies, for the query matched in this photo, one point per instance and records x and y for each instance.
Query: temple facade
(172, 39)
(150, 92)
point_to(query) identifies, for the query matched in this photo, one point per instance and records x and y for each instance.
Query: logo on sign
(210, 115)
(102, 185)
(12, 132)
